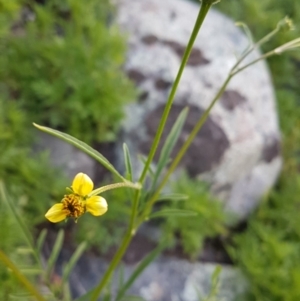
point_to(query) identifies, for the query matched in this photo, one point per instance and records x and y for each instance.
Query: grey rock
(65, 156)
(166, 279)
(238, 149)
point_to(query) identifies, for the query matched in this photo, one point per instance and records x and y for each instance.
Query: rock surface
(166, 279)
(238, 149)
(66, 156)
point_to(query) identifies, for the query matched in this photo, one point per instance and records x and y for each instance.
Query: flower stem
(119, 254)
(201, 16)
(114, 186)
(183, 150)
(132, 225)
(234, 70)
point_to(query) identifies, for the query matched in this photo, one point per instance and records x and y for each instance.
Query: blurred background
(61, 66)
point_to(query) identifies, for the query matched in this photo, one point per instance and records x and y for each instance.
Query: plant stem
(132, 226)
(183, 150)
(21, 277)
(119, 254)
(201, 16)
(234, 70)
(114, 186)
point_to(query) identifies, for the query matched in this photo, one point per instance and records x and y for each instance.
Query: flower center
(74, 206)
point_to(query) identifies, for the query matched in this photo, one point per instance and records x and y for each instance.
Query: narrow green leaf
(55, 252)
(20, 296)
(41, 240)
(127, 160)
(172, 212)
(133, 298)
(30, 287)
(216, 274)
(143, 159)
(73, 260)
(121, 275)
(170, 143)
(86, 297)
(140, 268)
(173, 197)
(19, 220)
(26, 251)
(31, 271)
(82, 146)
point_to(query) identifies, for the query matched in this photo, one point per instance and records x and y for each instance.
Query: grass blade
(173, 212)
(55, 252)
(173, 197)
(170, 143)
(74, 258)
(41, 240)
(128, 164)
(30, 288)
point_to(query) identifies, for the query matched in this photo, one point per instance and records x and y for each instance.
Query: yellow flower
(78, 202)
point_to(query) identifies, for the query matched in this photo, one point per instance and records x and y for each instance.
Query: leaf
(82, 146)
(127, 160)
(30, 270)
(170, 143)
(173, 197)
(133, 298)
(173, 212)
(143, 159)
(140, 268)
(55, 252)
(41, 240)
(86, 297)
(73, 260)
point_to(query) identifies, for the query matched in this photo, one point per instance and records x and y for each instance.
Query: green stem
(114, 186)
(234, 70)
(131, 229)
(183, 150)
(119, 254)
(265, 56)
(21, 277)
(201, 16)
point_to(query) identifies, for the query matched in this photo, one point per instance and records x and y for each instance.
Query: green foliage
(209, 222)
(62, 64)
(269, 251)
(11, 239)
(28, 177)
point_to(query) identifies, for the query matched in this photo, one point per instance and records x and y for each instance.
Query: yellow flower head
(78, 202)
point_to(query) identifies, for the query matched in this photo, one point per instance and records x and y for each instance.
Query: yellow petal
(82, 184)
(96, 205)
(56, 213)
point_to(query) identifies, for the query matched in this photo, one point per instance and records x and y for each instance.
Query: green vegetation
(59, 66)
(209, 222)
(23, 173)
(11, 239)
(268, 251)
(61, 63)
